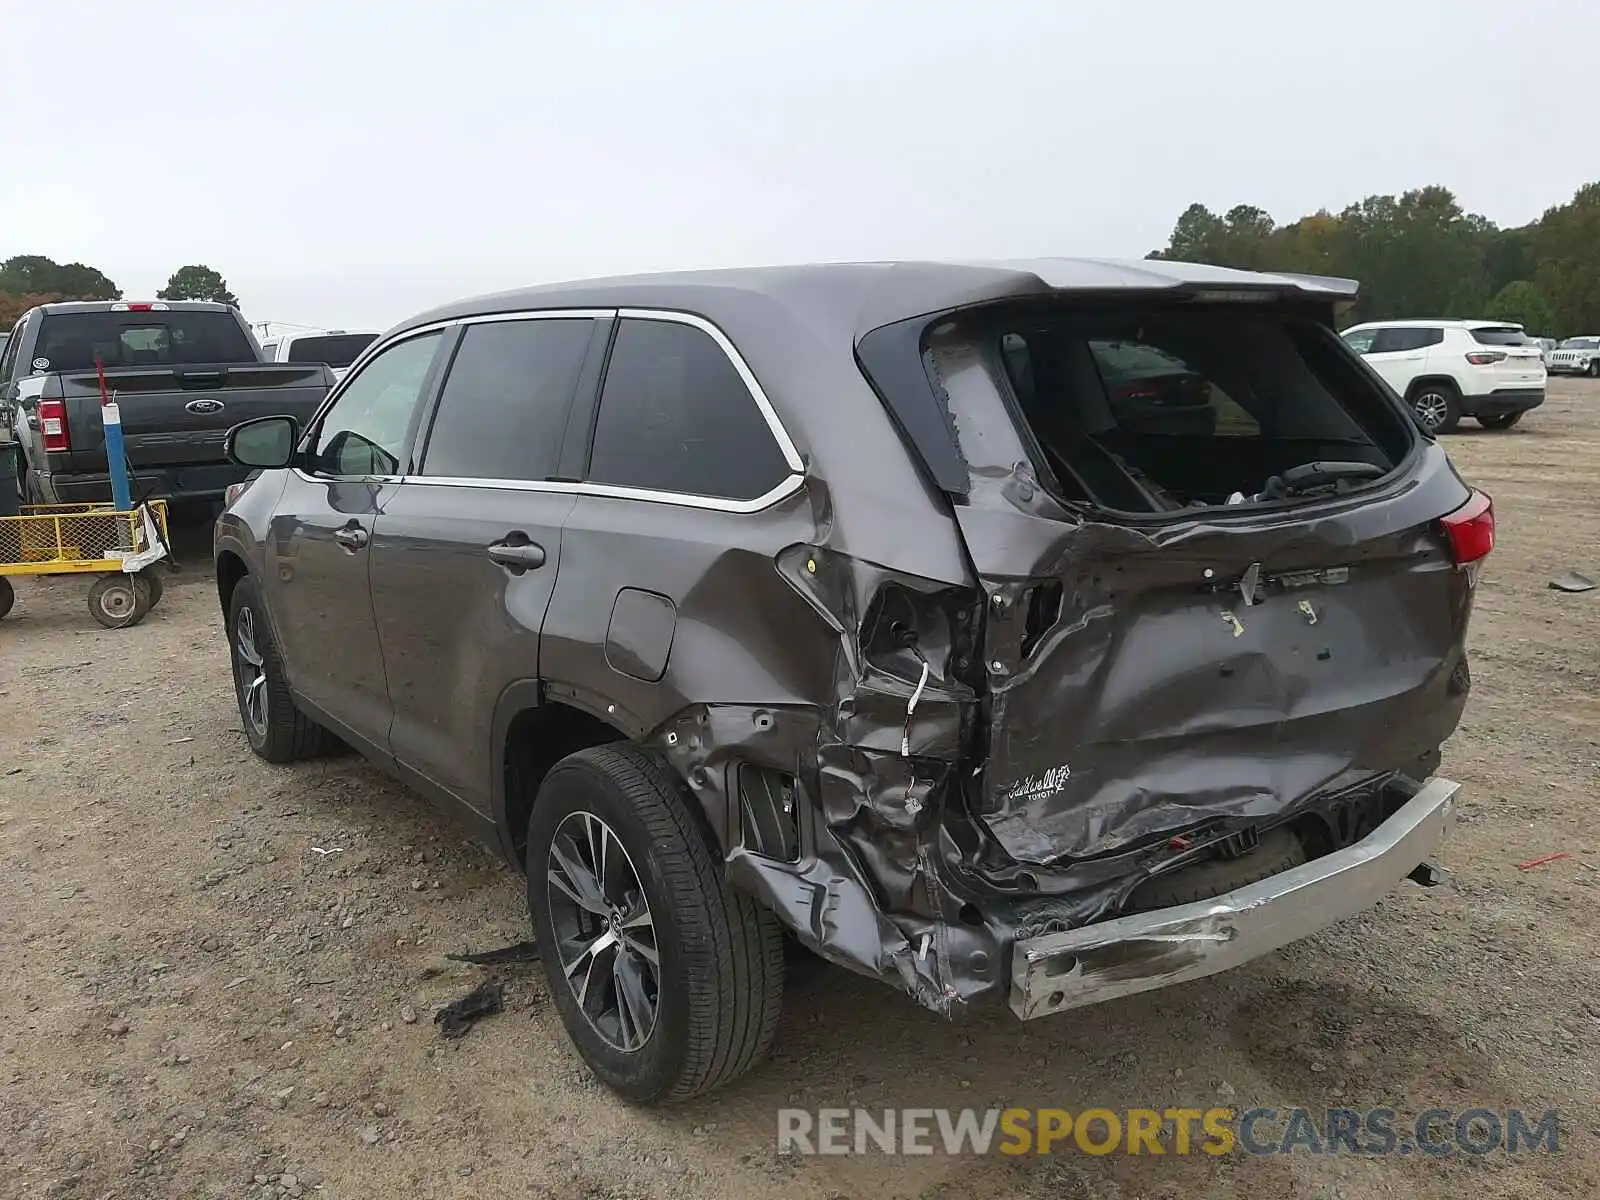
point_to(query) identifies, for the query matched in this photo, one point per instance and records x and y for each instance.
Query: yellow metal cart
(123, 548)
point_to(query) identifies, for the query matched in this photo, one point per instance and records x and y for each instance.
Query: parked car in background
(338, 348)
(183, 372)
(857, 601)
(1577, 356)
(1449, 369)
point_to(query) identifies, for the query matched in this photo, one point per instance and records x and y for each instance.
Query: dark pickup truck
(183, 373)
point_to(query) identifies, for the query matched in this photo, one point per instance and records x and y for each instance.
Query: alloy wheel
(250, 670)
(1432, 408)
(605, 934)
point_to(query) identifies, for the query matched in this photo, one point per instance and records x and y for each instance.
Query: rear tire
(8, 596)
(276, 730)
(705, 1011)
(1279, 850)
(152, 580)
(1437, 406)
(1503, 421)
(119, 601)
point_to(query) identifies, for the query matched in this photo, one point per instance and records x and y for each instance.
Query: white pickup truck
(336, 347)
(1575, 356)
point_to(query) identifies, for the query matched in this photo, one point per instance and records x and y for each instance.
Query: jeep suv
(871, 605)
(1446, 370)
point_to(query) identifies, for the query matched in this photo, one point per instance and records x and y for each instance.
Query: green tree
(34, 274)
(198, 283)
(1520, 302)
(1197, 237)
(1567, 244)
(1239, 238)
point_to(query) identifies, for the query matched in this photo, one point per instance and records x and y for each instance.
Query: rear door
(466, 551)
(1399, 353)
(317, 582)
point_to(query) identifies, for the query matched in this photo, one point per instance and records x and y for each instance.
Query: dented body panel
(930, 713)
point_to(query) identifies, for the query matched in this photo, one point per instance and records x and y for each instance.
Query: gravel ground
(223, 974)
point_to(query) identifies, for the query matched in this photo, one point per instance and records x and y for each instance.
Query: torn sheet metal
(1145, 684)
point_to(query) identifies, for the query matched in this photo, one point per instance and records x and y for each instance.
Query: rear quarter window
(675, 416)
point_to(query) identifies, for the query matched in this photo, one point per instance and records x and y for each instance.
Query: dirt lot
(204, 1003)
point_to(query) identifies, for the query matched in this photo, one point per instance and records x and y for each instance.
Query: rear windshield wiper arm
(1309, 476)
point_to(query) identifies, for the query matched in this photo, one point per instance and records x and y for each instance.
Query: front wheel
(668, 982)
(8, 596)
(1593, 370)
(1503, 421)
(275, 728)
(1437, 406)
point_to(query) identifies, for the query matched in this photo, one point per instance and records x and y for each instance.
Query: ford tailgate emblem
(203, 406)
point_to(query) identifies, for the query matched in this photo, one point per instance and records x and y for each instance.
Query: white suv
(336, 347)
(1446, 369)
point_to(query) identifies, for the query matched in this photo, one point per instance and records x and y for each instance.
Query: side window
(364, 433)
(8, 360)
(675, 416)
(1386, 341)
(1413, 339)
(503, 409)
(1361, 340)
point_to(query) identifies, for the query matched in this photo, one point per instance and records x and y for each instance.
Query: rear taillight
(1470, 529)
(53, 425)
(1482, 358)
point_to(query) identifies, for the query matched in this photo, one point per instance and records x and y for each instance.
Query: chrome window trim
(786, 446)
(789, 485)
(791, 454)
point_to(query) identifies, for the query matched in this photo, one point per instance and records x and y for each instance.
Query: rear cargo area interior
(1158, 411)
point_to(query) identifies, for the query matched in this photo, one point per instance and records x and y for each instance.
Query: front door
(318, 585)
(465, 554)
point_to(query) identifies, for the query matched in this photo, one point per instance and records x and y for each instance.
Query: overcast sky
(347, 162)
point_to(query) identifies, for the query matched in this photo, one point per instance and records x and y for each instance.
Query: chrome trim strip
(790, 485)
(791, 454)
(1142, 951)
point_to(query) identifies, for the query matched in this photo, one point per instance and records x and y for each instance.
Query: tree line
(1421, 255)
(27, 280)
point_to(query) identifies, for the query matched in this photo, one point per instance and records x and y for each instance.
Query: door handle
(351, 537)
(516, 553)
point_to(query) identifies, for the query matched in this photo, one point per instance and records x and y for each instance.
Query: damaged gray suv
(1030, 634)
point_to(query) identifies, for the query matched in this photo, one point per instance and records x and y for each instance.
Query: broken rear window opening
(1163, 410)
(71, 341)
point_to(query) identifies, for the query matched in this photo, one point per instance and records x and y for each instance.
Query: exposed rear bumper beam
(1136, 953)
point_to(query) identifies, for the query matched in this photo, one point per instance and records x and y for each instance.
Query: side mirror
(265, 443)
